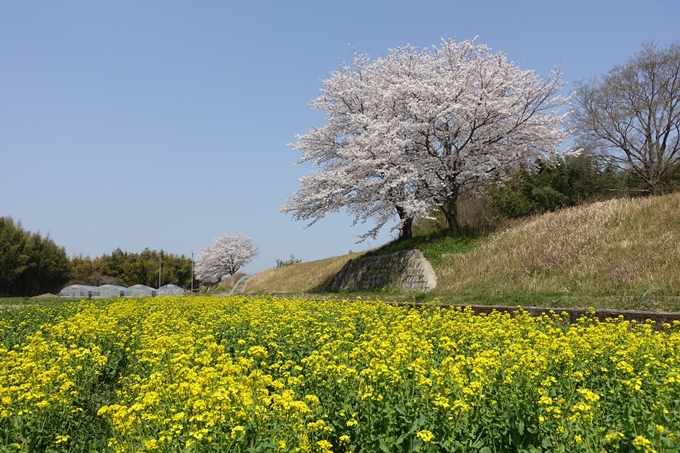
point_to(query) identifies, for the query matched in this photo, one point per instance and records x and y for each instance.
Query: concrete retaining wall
(408, 270)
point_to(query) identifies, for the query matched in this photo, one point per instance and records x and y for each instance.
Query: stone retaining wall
(408, 270)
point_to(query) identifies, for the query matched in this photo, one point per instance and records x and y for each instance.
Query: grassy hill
(299, 277)
(620, 253)
(620, 249)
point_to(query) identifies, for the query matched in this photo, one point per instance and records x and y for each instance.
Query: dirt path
(240, 286)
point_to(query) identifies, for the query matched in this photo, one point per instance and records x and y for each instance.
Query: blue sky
(165, 124)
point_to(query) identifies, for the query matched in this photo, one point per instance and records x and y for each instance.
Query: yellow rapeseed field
(213, 374)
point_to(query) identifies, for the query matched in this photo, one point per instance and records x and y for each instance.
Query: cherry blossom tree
(226, 255)
(360, 156)
(420, 127)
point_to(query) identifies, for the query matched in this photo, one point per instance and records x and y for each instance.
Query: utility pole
(192, 272)
(160, 267)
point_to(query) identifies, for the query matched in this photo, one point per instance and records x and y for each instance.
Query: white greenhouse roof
(105, 291)
(76, 291)
(140, 291)
(170, 290)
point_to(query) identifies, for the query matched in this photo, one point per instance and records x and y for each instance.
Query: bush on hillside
(288, 262)
(526, 191)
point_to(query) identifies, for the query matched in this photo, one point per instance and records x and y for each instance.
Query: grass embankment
(299, 277)
(617, 254)
(223, 287)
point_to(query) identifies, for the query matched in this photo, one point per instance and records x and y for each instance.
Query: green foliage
(567, 183)
(30, 264)
(433, 245)
(529, 190)
(570, 182)
(127, 269)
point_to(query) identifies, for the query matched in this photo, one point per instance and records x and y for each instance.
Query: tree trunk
(406, 231)
(450, 210)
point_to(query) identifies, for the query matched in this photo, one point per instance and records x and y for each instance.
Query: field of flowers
(213, 374)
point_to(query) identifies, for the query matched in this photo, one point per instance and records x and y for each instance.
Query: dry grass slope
(298, 278)
(615, 247)
(615, 254)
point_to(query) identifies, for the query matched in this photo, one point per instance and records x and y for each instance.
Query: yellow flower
(325, 446)
(151, 444)
(62, 439)
(425, 435)
(641, 443)
(236, 430)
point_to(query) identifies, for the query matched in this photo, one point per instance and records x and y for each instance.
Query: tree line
(567, 182)
(127, 269)
(31, 265)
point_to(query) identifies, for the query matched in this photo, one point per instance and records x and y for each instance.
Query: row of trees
(29, 263)
(32, 265)
(421, 128)
(127, 269)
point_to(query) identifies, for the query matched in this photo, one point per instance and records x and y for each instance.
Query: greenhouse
(77, 291)
(105, 291)
(170, 290)
(140, 291)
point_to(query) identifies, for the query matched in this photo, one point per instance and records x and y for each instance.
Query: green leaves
(30, 264)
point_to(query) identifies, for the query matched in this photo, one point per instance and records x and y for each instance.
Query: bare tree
(632, 114)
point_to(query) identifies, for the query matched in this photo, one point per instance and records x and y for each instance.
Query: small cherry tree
(226, 255)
